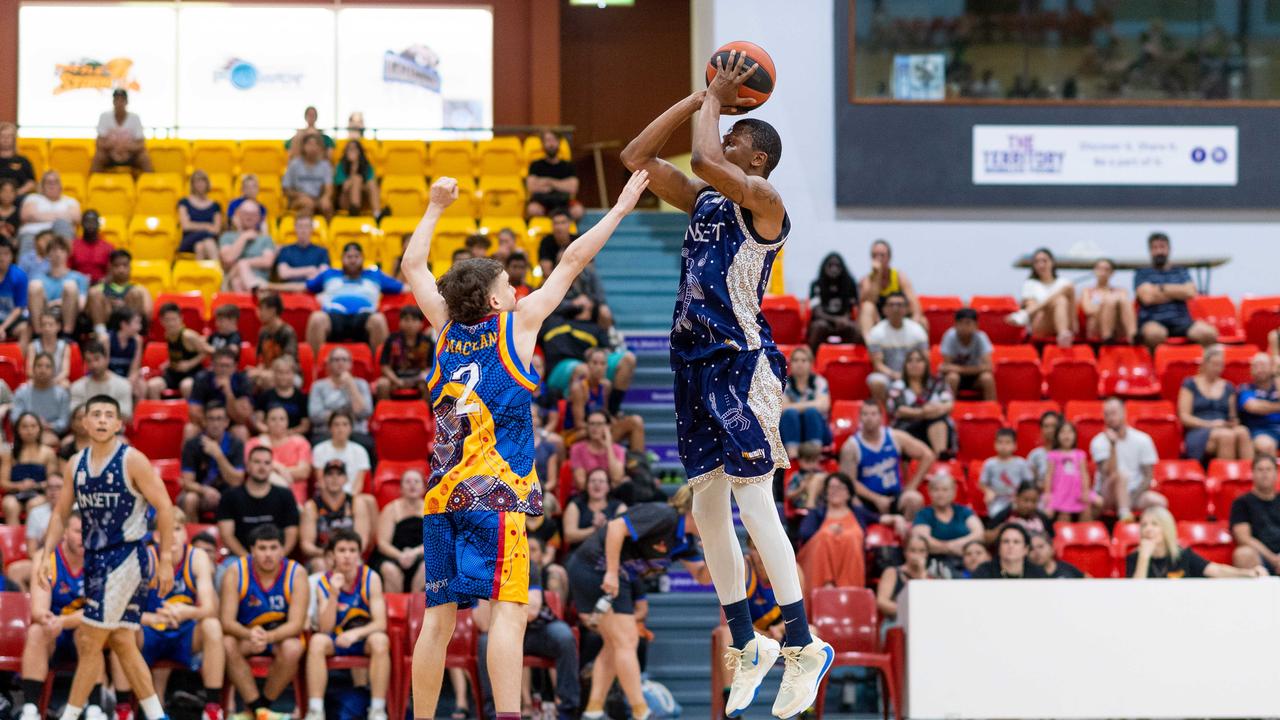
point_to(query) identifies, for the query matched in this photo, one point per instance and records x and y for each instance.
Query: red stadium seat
(154, 354)
(15, 618)
(156, 430)
(1127, 371)
(786, 317)
(170, 472)
(1238, 359)
(1024, 418)
(250, 324)
(940, 312)
(846, 368)
(1017, 371)
(1086, 415)
(844, 420)
(390, 306)
(13, 368)
(1228, 480)
(1175, 363)
(847, 619)
(1070, 374)
(13, 543)
(76, 368)
(362, 363)
(1159, 419)
(389, 472)
(1220, 312)
(992, 311)
(1210, 539)
(297, 309)
(1085, 545)
(1126, 536)
(402, 429)
(306, 365)
(976, 427)
(461, 652)
(1260, 316)
(1182, 482)
(193, 312)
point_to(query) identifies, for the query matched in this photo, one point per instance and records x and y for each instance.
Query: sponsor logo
(437, 585)
(753, 455)
(415, 65)
(89, 74)
(244, 75)
(1021, 157)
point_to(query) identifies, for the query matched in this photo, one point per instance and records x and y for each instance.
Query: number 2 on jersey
(469, 374)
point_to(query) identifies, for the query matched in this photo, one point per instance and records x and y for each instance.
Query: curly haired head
(468, 289)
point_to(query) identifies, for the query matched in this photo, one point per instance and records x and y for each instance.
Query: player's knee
(377, 643)
(377, 322)
(320, 645)
(211, 630)
(231, 646)
(291, 650)
(1245, 557)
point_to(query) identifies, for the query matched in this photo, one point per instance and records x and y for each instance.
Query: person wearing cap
(966, 356)
(120, 138)
(332, 509)
(349, 299)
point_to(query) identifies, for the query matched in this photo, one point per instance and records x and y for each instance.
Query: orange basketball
(759, 86)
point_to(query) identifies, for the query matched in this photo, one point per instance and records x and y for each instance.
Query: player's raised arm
(665, 179)
(414, 263)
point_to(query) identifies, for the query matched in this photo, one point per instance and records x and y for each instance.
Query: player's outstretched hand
(729, 77)
(444, 191)
(632, 192)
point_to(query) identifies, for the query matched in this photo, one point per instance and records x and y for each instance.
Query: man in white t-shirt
(48, 209)
(1125, 457)
(120, 138)
(889, 342)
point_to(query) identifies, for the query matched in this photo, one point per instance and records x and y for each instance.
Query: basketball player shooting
(114, 486)
(483, 483)
(729, 373)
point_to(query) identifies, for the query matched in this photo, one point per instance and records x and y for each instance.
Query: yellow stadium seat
(263, 157)
(73, 185)
(115, 230)
(465, 206)
(455, 158)
(220, 189)
(170, 156)
(285, 234)
(450, 236)
(110, 194)
(401, 157)
(391, 239)
(490, 226)
(362, 230)
(158, 194)
(777, 286)
(216, 157)
(35, 150)
(501, 156)
(270, 194)
(533, 150)
(154, 275)
(502, 195)
(404, 195)
(202, 276)
(153, 237)
(71, 155)
(538, 226)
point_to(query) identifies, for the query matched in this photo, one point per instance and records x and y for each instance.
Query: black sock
(95, 695)
(124, 697)
(32, 690)
(213, 696)
(260, 704)
(615, 400)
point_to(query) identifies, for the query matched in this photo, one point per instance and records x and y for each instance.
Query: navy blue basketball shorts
(727, 413)
(115, 585)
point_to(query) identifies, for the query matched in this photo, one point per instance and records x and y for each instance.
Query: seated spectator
(966, 357)
(831, 553)
(351, 621)
(1259, 405)
(1255, 519)
(290, 452)
(15, 167)
(586, 298)
(894, 579)
(124, 349)
(355, 181)
(200, 218)
(1042, 554)
(10, 213)
(873, 458)
(804, 489)
(1159, 555)
(76, 440)
(245, 252)
(1038, 458)
(35, 527)
(554, 242)
(249, 189)
(506, 247)
(48, 209)
(14, 325)
(1125, 457)
(254, 503)
(1207, 411)
(879, 285)
(340, 446)
(1163, 291)
(226, 329)
(517, 264)
(294, 144)
(42, 397)
(117, 292)
(589, 510)
(806, 404)
(331, 510)
(276, 339)
(57, 610)
(595, 392)
(1025, 511)
(267, 618)
(285, 394)
(49, 340)
(349, 300)
(398, 557)
(478, 245)
(90, 254)
(920, 405)
(1068, 476)
(1048, 301)
(1004, 473)
(25, 469)
(34, 260)
(308, 180)
(120, 141)
(598, 451)
(99, 380)
(944, 525)
(60, 288)
(187, 353)
(975, 554)
(339, 390)
(833, 299)
(889, 341)
(222, 385)
(1108, 310)
(355, 125)
(213, 462)
(1013, 543)
(552, 183)
(565, 342)
(406, 357)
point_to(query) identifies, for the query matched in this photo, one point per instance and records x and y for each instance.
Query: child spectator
(406, 357)
(1024, 511)
(226, 329)
(124, 348)
(49, 340)
(966, 356)
(1068, 475)
(805, 485)
(517, 264)
(1002, 474)
(276, 338)
(1039, 455)
(187, 352)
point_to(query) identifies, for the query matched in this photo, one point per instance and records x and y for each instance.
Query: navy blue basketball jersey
(725, 270)
(879, 468)
(113, 510)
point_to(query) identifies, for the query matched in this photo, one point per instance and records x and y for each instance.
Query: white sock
(151, 708)
(316, 704)
(30, 705)
(378, 704)
(71, 712)
(760, 516)
(714, 514)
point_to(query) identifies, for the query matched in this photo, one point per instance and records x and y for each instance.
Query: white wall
(944, 252)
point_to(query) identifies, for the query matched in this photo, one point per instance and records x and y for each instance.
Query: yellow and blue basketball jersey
(480, 395)
(183, 592)
(66, 587)
(267, 608)
(353, 606)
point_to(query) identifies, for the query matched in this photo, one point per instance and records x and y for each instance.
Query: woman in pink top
(291, 452)
(1068, 473)
(597, 451)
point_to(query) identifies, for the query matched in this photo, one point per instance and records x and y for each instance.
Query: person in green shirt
(355, 181)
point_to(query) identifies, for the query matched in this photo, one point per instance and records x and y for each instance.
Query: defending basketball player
(483, 483)
(114, 486)
(729, 373)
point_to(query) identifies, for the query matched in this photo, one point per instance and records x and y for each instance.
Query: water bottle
(604, 604)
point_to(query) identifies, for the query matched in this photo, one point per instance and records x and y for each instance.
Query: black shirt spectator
(833, 296)
(1188, 565)
(9, 211)
(657, 537)
(991, 570)
(208, 389)
(295, 404)
(552, 183)
(1065, 571)
(204, 466)
(257, 502)
(12, 165)
(1255, 516)
(565, 339)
